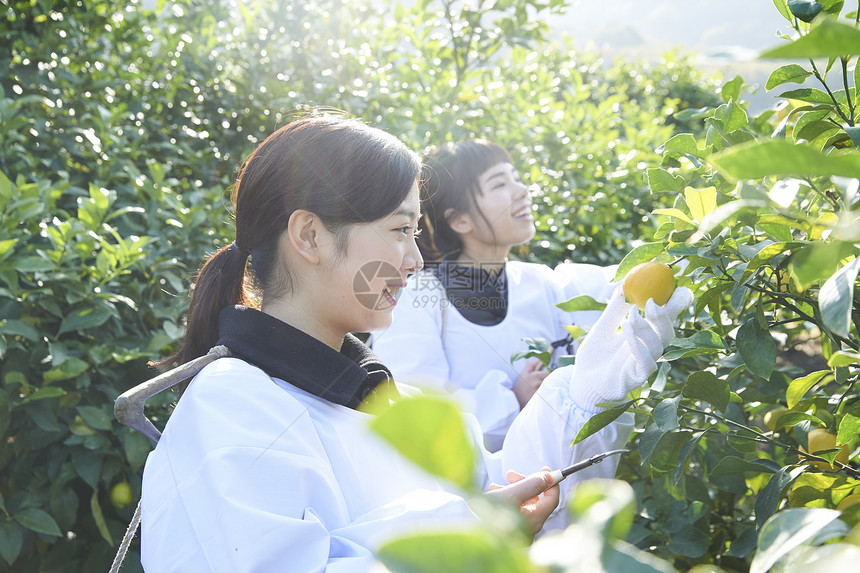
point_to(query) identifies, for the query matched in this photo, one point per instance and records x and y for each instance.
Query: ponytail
(220, 283)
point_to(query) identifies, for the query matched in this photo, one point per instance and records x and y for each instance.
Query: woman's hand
(526, 492)
(529, 380)
(621, 350)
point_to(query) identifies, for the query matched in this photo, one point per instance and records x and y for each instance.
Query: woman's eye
(405, 230)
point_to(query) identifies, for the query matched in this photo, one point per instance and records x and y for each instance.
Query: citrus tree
(749, 431)
(121, 128)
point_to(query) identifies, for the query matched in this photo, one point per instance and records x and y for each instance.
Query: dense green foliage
(121, 129)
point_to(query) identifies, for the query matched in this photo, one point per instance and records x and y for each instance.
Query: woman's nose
(413, 261)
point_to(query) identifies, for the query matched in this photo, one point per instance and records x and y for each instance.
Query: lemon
(771, 417)
(820, 439)
(850, 500)
(649, 280)
(121, 495)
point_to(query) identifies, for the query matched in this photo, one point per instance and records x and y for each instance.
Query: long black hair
(338, 168)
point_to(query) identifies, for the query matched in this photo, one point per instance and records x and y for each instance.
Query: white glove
(612, 362)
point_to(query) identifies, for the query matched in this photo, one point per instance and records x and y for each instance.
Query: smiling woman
(267, 462)
(471, 308)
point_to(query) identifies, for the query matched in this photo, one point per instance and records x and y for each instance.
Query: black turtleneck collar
(478, 293)
(284, 352)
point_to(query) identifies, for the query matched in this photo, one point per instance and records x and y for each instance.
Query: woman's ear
(460, 223)
(303, 232)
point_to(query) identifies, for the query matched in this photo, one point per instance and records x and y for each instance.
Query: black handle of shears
(559, 475)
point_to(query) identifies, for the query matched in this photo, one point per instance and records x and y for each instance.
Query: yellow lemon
(771, 417)
(820, 439)
(850, 500)
(649, 280)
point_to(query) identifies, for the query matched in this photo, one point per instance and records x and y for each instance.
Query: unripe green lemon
(121, 495)
(649, 280)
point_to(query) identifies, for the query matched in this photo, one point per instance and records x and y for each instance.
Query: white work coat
(432, 346)
(254, 474)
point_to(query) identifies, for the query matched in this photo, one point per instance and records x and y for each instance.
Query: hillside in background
(726, 36)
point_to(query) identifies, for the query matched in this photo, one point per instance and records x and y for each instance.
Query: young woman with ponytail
(267, 462)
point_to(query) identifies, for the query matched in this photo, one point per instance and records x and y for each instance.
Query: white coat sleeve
(542, 434)
(241, 489)
(413, 349)
(617, 355)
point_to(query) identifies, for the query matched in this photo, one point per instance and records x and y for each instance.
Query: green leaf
(82, 319)
(137, 448)
(733, 464)
(96, 418)
(684, 143)
(768, 498)
(849, 427)
(809, 95)
(430, 431)
(5, 185)
(43, 393)
(732, 116)
(99, 518)
(782, 158)
(16, 327)
(800, 386)
(11, 536)
(455, 551)
(835, 299)
(689, 542)
(731, 90)
(757, 348)
(70, 368)
(675, 213)
(854, 133)
(622, 556)
(666, 453)
(782, 8)
(666, 414)
(599, 421)
(88, 466)
(704, 385)
(660, 180)
(581, 302)
(793, 418)
(6, 246)
(828, 39)
(765, 255)
(701, 202)
(790, 73)
(815, 263)
(805, 10)
(38, 520)
(641, 254)
(842, 358)
(701, 339)
(786, 531)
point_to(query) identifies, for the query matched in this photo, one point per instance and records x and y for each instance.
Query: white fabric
(577, 279)
(621, 349)
(256, 475)
(474, 362)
